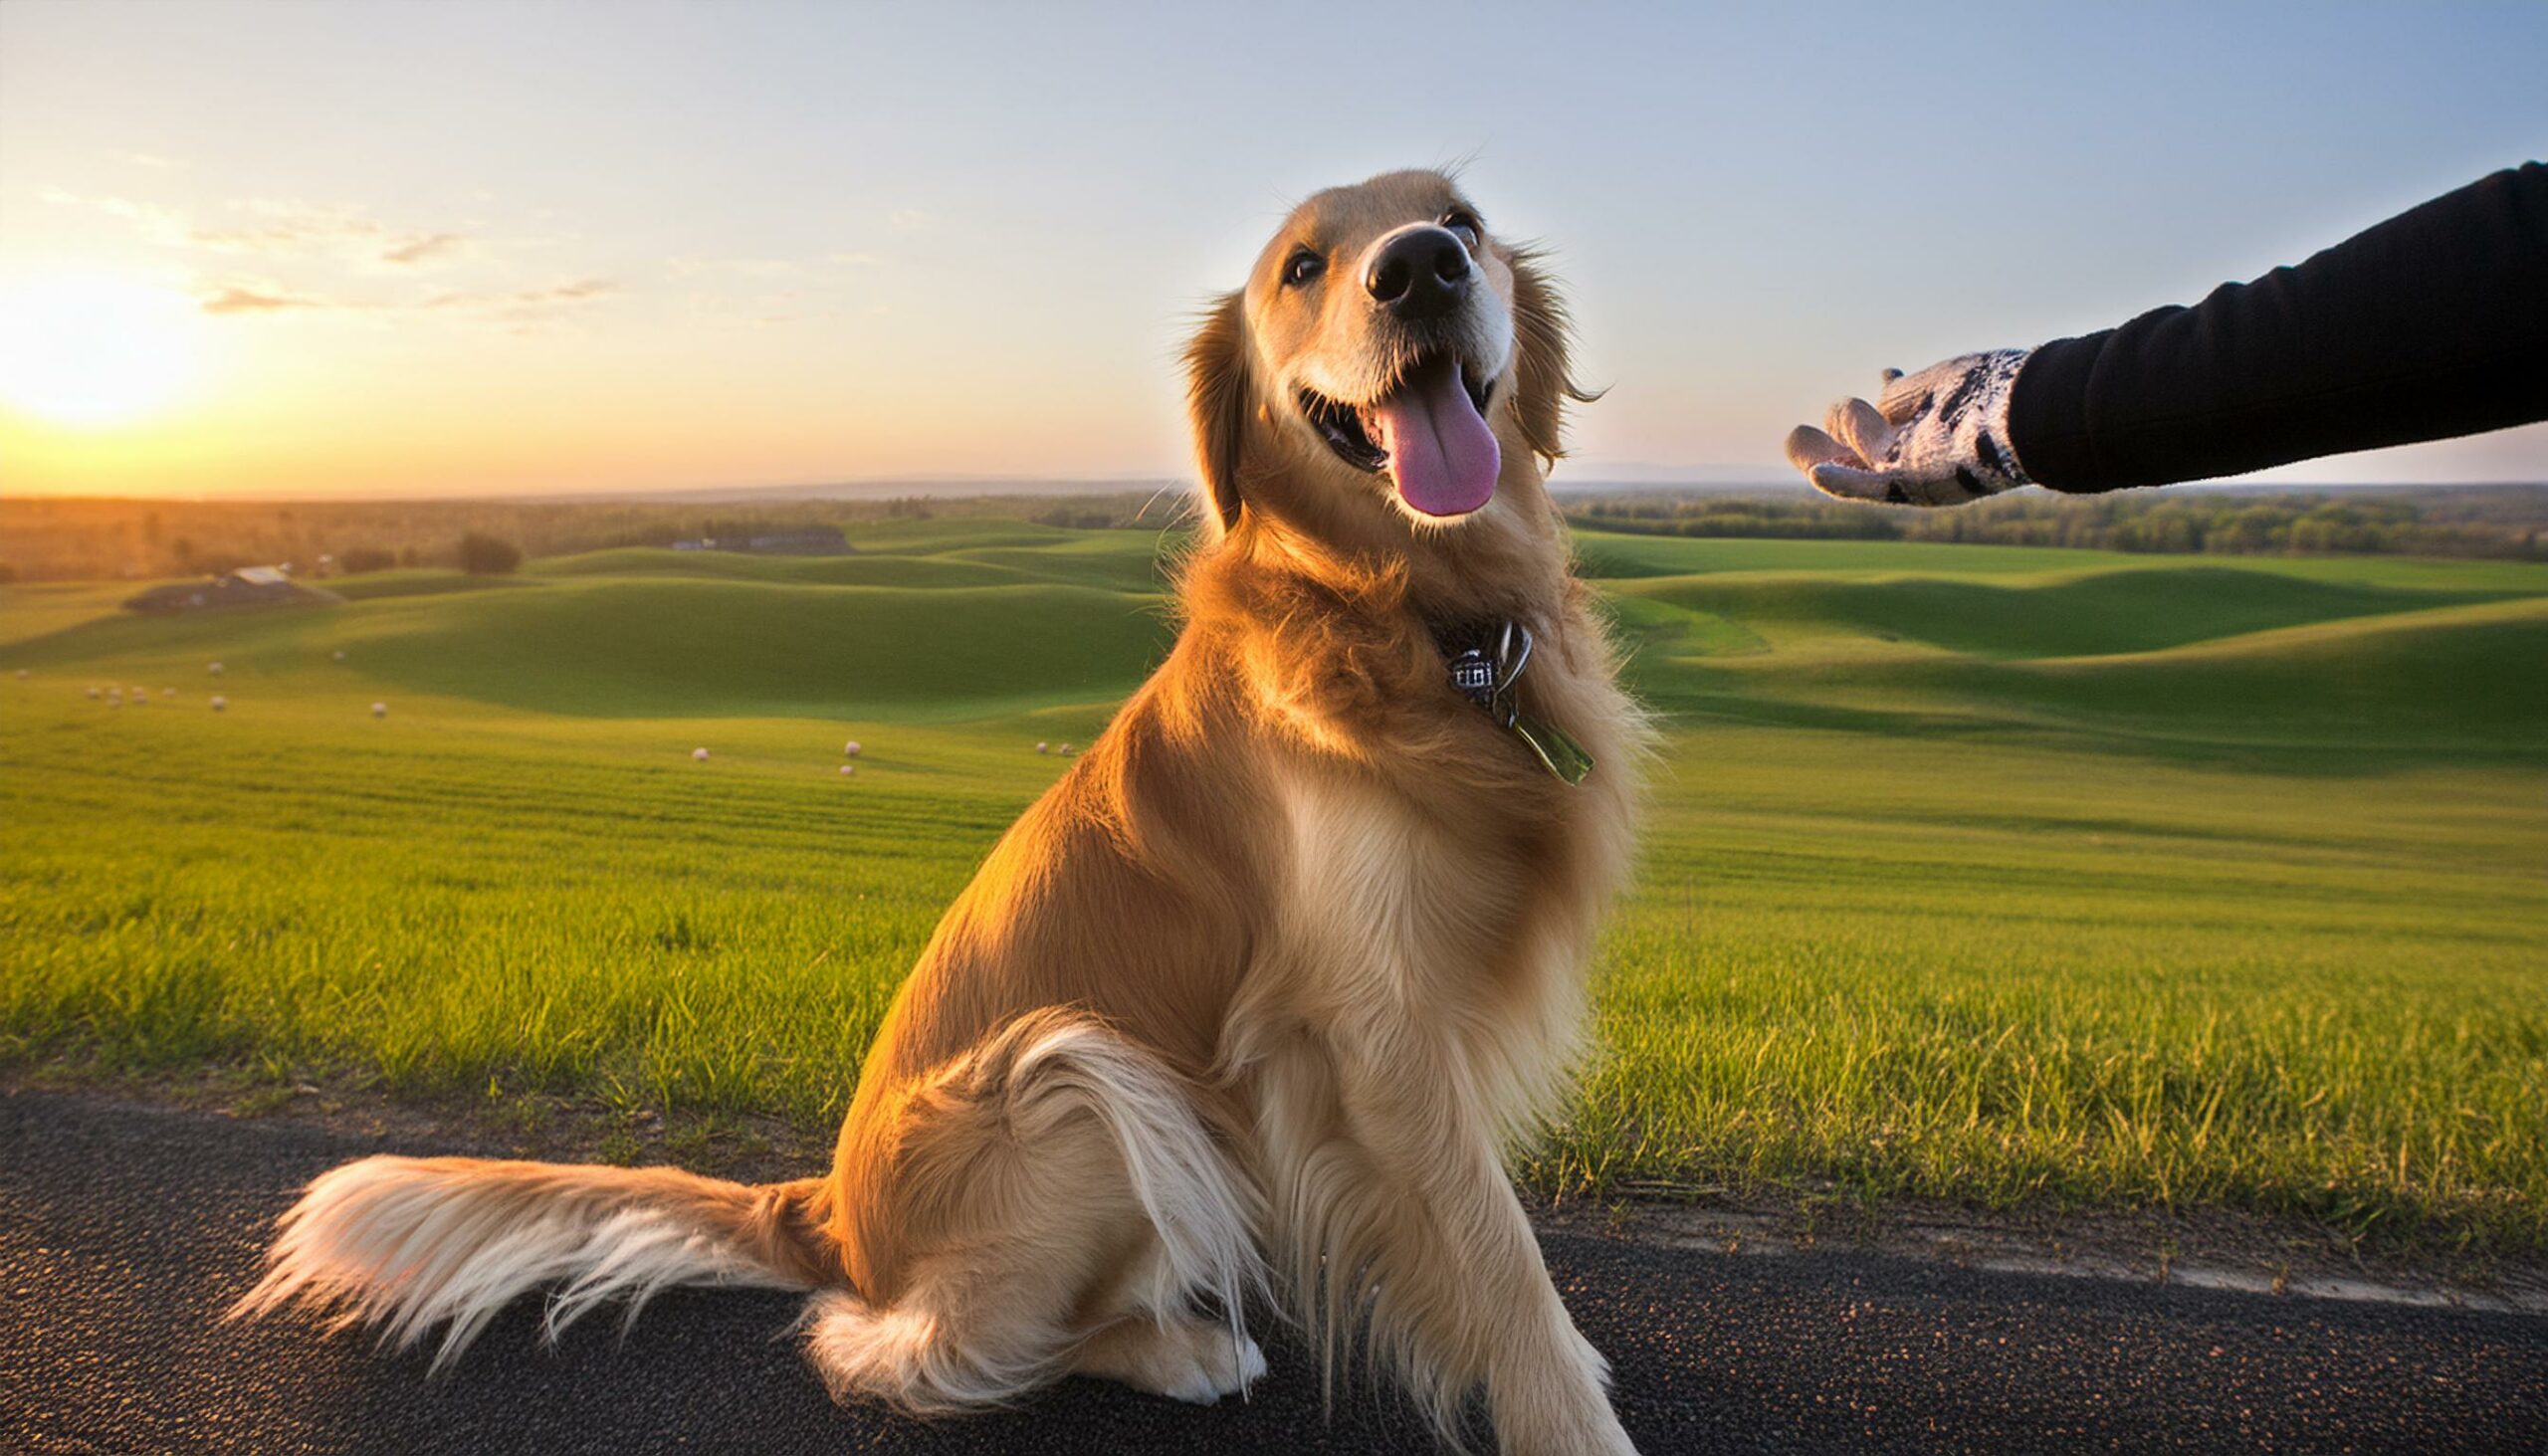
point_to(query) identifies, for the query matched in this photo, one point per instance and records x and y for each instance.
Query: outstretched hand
(1936, 438)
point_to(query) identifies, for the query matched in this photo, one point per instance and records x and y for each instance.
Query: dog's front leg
(1414, 1214)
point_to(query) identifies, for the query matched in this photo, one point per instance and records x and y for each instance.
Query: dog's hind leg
(1392, 1211)
(1069, 1211)
(1180, 1357)
(1157, 1344)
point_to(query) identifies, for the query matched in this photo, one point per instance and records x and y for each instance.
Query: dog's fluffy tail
(1032, 1118)
(409, 1243)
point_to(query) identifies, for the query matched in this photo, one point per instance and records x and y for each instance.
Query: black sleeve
(2430, 325)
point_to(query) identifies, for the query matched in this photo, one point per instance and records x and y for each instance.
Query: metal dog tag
(1488, 681)
(1473, 673)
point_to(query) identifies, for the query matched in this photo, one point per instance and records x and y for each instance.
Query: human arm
(2430, 325)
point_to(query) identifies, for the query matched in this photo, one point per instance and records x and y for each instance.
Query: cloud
(580, 291)
(245, 298)
(288, 226)
(425, 249)
(338, 256)
(159, 224)
(570, 292)
(284, 227)
(517, 304)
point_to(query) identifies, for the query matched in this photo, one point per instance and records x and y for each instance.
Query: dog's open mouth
(1428, 430)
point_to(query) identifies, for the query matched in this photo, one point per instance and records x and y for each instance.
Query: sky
(471, 248)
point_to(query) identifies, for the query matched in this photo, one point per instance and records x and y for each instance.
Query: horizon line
(960, 486)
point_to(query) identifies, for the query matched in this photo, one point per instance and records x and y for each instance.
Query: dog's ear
(1216, 397)
(1543, 333)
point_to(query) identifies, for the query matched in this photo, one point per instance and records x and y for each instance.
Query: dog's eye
(1301, 267)
(1463, 225)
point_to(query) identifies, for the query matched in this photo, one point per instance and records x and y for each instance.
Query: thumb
(1808, 447)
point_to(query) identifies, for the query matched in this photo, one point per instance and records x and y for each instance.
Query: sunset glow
(90, 351)
(256, 249)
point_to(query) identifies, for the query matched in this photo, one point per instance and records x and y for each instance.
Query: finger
(1904, 403)
(1858, 425)
(1808, 447)
(1852, 483)
(1905, 395)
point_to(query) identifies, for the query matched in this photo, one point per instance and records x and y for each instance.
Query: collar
(1486, 660)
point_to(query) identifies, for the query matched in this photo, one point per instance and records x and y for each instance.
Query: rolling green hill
(671, 647)
(1985, 873)
(917, 571)
(2144, 607)
(946, 621)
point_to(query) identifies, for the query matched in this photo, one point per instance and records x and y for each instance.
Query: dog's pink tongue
(1442, 454)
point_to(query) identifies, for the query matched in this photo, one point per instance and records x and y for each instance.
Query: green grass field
(2000, 875)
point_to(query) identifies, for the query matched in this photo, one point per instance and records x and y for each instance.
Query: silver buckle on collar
(1510, 661)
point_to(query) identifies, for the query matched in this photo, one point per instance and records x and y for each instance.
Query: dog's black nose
(1420, 273)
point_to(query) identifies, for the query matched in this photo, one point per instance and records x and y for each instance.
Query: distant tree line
(45, 540)
(2510, 522)
(482, 554)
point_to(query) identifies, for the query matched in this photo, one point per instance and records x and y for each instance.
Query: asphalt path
(126, 1231)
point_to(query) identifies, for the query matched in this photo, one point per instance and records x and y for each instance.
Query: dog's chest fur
(1401, 927)
(1447, 864)
(1376, 884)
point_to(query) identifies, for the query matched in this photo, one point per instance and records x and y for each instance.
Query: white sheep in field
(380, 710)
(215, 669)
(699, 756)
(1043, 747)
(219, 702)
(1068, 750)
(850, 747)
(847, 770)
(94, 695)
(339, 654)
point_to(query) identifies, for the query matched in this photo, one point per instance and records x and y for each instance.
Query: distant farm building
(248, 586)
(816, 541)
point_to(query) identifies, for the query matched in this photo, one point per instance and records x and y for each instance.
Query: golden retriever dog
(1246, 1009)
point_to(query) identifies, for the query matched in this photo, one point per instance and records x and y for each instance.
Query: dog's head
(1390, 364)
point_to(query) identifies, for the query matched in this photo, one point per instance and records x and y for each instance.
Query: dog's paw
(1223, 1365)
(1189, 1360)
